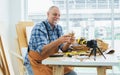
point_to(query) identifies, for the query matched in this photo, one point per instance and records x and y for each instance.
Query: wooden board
(4, 63)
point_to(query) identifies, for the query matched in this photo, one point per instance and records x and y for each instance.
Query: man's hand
(72, 39)
(66, 39)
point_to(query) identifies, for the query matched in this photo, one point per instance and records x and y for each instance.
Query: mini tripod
(94, 50)
(93, 44)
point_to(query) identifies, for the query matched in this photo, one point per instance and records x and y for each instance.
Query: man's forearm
(50, 48)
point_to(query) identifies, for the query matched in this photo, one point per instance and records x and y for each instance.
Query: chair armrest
(17, 55)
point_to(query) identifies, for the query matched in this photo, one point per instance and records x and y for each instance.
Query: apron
(41, 69)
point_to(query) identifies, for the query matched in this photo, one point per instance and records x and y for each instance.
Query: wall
(4, 29)
(15, 17)
(10, 14)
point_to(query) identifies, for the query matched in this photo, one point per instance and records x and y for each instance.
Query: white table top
(110, 60)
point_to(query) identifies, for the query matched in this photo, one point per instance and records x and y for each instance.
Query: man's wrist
(68, 43)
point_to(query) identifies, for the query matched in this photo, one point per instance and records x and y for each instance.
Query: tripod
(94, 50)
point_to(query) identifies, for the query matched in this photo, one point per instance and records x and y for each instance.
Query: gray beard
(55, 22)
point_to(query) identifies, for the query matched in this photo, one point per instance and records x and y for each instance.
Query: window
(102, 4)
(88, 18)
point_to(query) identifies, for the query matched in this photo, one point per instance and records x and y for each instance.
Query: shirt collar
(49, 26)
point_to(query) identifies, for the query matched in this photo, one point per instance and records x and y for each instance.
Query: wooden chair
(21, 33)
(3, 60)
(21, 42)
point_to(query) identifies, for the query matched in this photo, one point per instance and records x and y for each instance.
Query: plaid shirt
(40, 36)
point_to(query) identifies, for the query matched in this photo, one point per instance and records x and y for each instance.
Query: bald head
(53, 15)
(53, 7)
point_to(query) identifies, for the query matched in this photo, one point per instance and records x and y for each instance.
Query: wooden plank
(1, 66)
(58, 70)
(101, 70)
(1, 72)
(4, 63)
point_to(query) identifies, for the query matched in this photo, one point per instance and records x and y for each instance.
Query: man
(46, 39)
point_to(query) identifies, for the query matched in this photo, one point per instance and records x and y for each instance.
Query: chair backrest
(21, 42)
(3, 60)
(21, 33)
